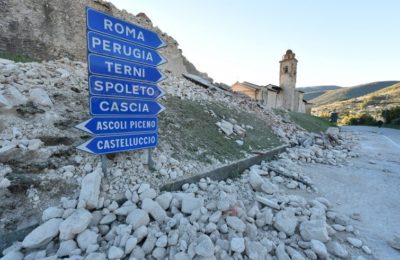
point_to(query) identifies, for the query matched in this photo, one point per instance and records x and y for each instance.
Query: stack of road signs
(122, 66)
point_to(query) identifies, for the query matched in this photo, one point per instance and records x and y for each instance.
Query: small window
(286, 69)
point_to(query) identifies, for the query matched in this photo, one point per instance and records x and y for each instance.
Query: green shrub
(396, 121)
(363, 119)
(391, 114)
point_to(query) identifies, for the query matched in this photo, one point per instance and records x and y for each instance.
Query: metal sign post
(122, 67)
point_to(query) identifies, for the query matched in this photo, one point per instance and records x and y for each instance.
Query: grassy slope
(351, 92)
(189, 126)
(309, 122)
(15, 57)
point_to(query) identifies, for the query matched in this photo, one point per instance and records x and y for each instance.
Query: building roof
(251, 85)
(198, 80)
(273, 87)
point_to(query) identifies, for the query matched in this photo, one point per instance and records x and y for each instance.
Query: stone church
(283, 96)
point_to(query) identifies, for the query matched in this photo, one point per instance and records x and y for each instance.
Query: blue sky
(340, 42)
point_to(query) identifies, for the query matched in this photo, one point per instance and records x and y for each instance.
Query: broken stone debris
(190, 223)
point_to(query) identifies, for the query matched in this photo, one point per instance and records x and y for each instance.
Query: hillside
(316, 91)
(351, 92)
(371, 104)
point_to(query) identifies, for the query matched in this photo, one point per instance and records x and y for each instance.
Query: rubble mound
(252, 217)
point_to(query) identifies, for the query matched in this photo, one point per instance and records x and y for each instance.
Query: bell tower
(287, 79)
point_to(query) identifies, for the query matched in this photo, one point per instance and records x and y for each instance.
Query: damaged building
(283, 96)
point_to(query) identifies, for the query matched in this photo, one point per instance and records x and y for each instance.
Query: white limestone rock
(314, 229)
(40, 97)
(236, 223)
(87, 238)
(189, 204)
(226, 127)
(138, 218)
(281, 253)
(268, 187)
(336, 249)
(205, 246)
(354, 242)
(90, 190)
(96, 256)
(75, 224)
(66, 248)
(154, 209)
(115, 253)
(267, 202)
(164, 200)
(130, 245)
(52, 212)
(43, 234)
(107, 219)
(13, 255)
(319, 248)
(255, 180)
(286, 221)
(237, 244)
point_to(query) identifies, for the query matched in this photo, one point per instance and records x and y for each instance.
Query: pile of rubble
(41, 102)
(332, 148)
(248, 218)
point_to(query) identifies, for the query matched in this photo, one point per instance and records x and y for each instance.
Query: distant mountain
(316, 91)
(371, 104)
(318, 88)
(350, 92)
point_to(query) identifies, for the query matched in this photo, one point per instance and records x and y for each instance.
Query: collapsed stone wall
(48, 30)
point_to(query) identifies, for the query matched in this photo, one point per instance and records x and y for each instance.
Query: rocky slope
(48, 30)
(40, 103)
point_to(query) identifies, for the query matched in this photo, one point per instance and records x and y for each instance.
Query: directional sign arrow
(118, 125)
(106, 45)
(123, 69)
(103, 86)
(119, 143)
(103, 106)
(107, 24)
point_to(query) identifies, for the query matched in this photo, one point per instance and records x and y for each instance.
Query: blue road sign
(106, 45)
(104, 106)
(123, 69)
(102, 86)
(118, 125)
(119, 143)
(110, 25)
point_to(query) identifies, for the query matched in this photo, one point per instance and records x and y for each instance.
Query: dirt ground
(368, 186)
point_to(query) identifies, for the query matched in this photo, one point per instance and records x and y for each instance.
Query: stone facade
(283, 96)
(47, 30)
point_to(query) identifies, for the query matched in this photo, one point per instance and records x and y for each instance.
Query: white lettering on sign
(123, 125)
(123, 88)
(111, 106)
(122, 49)
(125, 142)
(123, 30)
(125, 69)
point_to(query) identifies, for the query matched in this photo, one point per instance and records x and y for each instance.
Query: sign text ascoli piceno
(122, 49)
(123, 88)
(125, 125)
